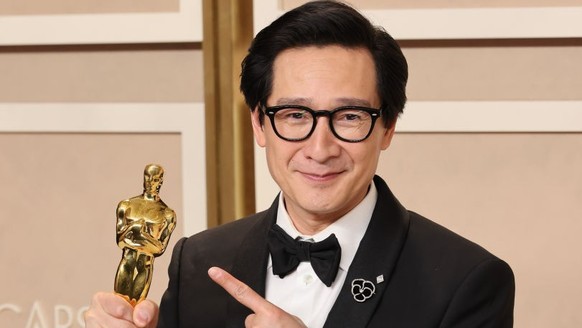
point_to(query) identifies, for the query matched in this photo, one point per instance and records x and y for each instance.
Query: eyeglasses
(347, 123)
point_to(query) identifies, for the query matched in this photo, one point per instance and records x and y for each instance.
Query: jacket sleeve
(168, 315)
(485, 298)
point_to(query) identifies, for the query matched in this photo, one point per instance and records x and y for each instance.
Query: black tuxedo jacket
(432, 276)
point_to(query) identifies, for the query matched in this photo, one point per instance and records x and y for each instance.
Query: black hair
(323, 23)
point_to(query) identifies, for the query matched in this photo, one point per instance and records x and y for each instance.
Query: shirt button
(307, 279)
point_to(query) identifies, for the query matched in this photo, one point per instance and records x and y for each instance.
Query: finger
(240, 291)
(145, 314)
(108, 310)
(114, 305)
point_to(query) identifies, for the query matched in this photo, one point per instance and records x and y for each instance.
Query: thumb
(145, 314)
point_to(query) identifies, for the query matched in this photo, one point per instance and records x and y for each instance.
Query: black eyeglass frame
(272, 110)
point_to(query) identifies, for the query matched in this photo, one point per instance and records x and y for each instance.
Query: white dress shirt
(301, 293)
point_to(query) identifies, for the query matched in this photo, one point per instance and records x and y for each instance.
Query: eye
(351, 115)
(297, 115)
(293, 114)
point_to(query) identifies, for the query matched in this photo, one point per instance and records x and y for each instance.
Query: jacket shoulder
(447, 276)
(431, 238)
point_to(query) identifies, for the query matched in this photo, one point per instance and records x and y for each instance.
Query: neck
(150, 195)
(309, 224)
(310, 228)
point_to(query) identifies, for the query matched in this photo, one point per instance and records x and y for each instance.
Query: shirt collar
(349, 229)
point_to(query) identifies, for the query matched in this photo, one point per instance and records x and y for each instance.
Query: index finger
(239, 290)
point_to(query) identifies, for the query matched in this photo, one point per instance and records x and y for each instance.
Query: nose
(322, 144)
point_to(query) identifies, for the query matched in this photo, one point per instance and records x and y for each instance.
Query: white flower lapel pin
(362, 289)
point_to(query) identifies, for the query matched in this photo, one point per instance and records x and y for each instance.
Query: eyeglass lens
(347, 123)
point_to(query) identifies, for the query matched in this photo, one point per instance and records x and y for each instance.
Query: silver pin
(380, 279)
(362, 289)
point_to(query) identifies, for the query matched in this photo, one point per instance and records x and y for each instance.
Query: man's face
(322, 177)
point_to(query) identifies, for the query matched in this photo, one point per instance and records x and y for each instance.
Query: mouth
(321, 177)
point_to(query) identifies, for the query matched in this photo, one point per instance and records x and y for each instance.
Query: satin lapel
(250, 265)
(376, 257)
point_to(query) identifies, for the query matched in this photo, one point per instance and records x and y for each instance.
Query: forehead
(324, 75)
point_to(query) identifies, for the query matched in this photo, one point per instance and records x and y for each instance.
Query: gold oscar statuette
(144, 226)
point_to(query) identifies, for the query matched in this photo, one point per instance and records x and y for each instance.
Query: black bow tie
(287, 253)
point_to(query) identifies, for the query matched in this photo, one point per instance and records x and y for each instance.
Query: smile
(321, 177)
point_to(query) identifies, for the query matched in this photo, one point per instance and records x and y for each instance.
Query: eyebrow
(354, 102)
(308, 101)
(294, 101)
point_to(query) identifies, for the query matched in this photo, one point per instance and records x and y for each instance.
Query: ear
(388, 134)
(258, 130)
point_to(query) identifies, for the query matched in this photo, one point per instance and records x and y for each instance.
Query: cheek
(281, 154)
(365, 156)
(274, 153)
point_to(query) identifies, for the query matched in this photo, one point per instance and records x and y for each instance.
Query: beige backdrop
(375, 4)
(60, 7)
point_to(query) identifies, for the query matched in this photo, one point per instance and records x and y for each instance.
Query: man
(325, 88)
(144, 226)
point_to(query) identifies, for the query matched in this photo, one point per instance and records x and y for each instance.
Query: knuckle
(241, 290)
(96, 298)
(88, 317)
(276, 315)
